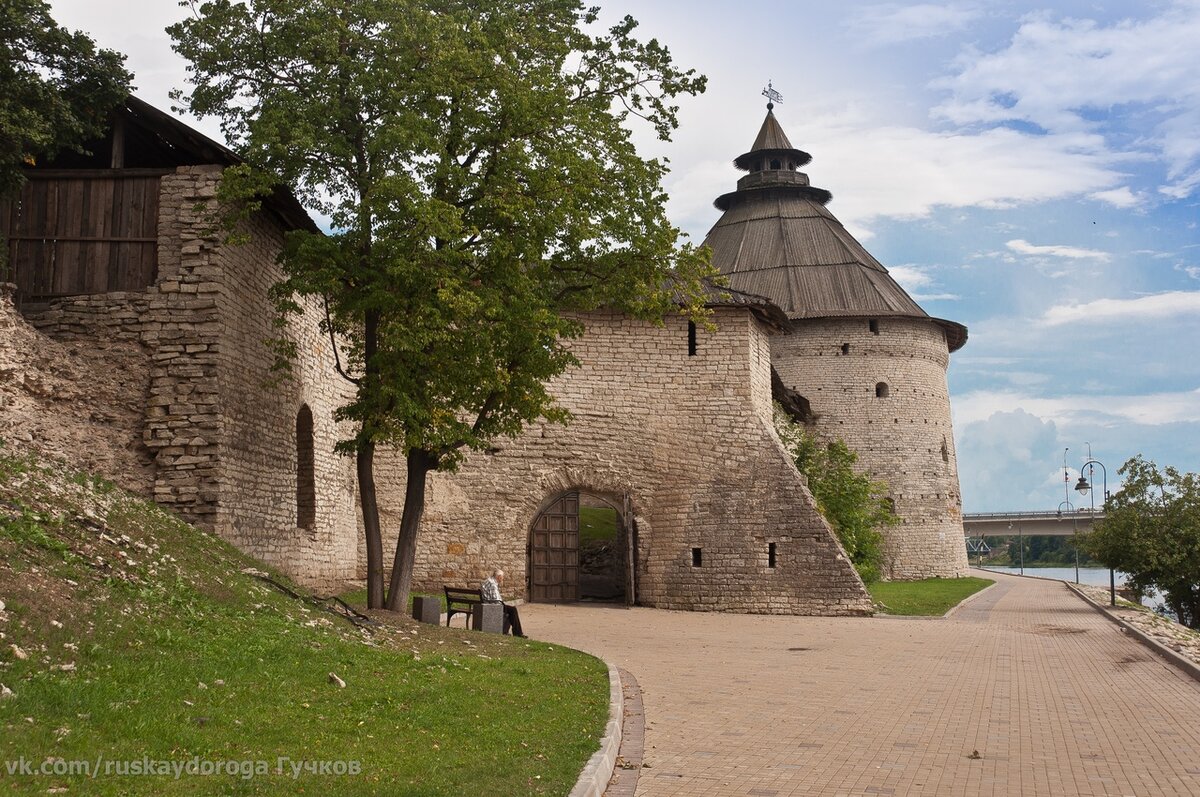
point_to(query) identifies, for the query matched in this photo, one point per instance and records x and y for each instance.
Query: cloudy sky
(1030, 169)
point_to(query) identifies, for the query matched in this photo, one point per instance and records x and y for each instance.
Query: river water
(1096, 576)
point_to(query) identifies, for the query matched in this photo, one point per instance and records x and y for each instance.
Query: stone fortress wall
(724, 521)
(903, 437)
(223, 442)
(689, 438)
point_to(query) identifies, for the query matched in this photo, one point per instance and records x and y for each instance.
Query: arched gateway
(582, 547)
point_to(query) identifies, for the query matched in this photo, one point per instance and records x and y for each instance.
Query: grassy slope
(597, 523)
(930, 596)
(176, 654)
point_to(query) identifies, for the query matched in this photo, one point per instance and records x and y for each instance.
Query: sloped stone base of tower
(682, 446)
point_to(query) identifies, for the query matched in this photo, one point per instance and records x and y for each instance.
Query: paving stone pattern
(1055, 699)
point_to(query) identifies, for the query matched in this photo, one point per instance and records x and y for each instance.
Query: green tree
(474, 159)
(1151, 531)
(854, 505)
(56, 88)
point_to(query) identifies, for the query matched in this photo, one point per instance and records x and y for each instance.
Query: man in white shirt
(491, 594)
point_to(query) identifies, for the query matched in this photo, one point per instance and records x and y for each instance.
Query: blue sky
(1031, 170)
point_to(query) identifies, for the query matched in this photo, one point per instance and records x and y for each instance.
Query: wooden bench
(456, 598)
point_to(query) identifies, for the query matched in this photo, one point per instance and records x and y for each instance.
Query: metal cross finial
(771, 94)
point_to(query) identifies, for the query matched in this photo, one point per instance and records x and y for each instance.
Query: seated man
(491, 594)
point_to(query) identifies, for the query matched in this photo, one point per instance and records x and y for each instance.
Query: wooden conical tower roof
(777, 239)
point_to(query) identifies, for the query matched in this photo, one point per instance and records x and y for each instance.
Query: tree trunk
(419, 465)
(365, 461)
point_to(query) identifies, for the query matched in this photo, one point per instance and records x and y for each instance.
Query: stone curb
(1182, 662)
(599, 768)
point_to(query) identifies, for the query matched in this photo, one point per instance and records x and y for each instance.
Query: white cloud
(1117, 197)
(1075, 75)
(1152, 409)
(911, 277)
(891, 23)
(904, 172)
(1002, 459)
(877, 169)
(1073, 252)
(915, 278)
(1159, 305)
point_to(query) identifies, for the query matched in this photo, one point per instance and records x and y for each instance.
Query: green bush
(854, 505)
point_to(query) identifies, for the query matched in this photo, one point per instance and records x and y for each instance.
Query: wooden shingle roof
(777, 239)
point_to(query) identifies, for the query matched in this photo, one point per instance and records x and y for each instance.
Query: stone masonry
(903, 438)
(722, 519)
(223, 438)
(688, 438)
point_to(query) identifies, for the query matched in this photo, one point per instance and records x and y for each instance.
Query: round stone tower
(870, 361)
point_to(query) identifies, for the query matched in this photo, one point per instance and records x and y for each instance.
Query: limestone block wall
(688, 438)
(260, 461)
(903, 437)
(176, 320)
(223, 439)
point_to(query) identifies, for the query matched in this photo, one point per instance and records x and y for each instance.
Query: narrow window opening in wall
(306, 479)
(881, 390)
(775, 164)
(691, 339)
(845, 348)
(945, 451)
(874, 325)
(697, 557)
(770, 554)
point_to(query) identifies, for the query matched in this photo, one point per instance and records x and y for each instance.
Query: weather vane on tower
(771, 94)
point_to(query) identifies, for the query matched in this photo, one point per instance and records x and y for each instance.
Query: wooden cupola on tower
(871, 363)
(777, 239)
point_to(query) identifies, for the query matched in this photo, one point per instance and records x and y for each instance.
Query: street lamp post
(1084, 488)
(1074, 520)
(1020, 545)
(1074, 532)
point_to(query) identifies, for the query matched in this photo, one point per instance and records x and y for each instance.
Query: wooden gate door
(554, 552)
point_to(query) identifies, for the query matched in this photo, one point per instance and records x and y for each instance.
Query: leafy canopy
(1151, 531)
(474, 161)
(56, 88)
(854, 505)
(475, 164)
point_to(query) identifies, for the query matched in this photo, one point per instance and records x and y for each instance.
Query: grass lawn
(931, 596)
(597, 523)
(131, 636)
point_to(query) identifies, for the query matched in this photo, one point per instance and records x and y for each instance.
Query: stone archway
(582, 546)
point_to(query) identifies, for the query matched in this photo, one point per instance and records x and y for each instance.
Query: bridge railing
(999, 517)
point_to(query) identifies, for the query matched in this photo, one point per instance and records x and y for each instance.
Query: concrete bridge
(1055, 524)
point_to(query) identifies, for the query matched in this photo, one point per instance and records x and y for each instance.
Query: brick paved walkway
(1053, 697)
